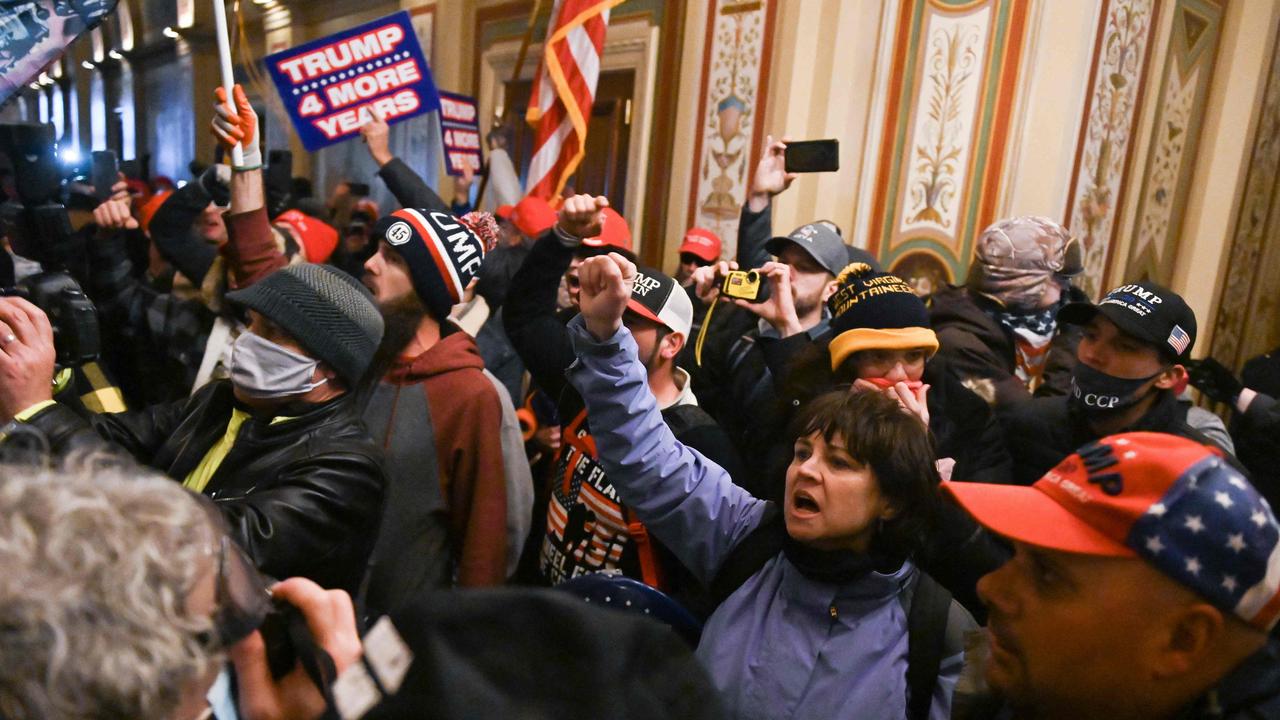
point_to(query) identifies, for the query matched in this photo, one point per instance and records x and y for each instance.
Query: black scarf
(836, 566)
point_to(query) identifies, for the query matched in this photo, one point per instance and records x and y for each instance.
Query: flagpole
(525, 41)
(515, 76)
(228, 74)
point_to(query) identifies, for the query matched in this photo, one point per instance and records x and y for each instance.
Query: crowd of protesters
(318, 428)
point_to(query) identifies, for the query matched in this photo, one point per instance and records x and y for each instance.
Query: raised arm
(529, 314)
(409, 189)
(755, 225)
(251, 251)
(687, 501)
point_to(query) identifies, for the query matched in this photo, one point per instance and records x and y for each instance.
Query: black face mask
(1097, 394)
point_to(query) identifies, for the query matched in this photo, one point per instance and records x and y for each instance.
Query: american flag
(1179, 339)
(563, 90)
(1214, 533)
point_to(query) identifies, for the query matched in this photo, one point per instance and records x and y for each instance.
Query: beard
(401, 318)
(805, 305)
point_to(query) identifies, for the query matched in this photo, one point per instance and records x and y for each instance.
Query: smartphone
(106, 172)
(808, 156)
(131, 169)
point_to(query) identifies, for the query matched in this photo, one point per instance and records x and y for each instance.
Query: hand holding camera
(606, 288)
(26, 356)
(708, 279)
(772, 298)
(331, 619)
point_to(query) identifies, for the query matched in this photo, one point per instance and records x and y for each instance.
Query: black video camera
(37, 227)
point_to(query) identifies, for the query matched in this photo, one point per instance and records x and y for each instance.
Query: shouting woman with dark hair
(820, 627)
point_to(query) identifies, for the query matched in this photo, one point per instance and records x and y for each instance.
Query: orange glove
(237, 126)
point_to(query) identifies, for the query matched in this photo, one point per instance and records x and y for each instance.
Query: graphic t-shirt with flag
(586, 525)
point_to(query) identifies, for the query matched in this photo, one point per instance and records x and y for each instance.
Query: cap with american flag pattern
(1168, 500)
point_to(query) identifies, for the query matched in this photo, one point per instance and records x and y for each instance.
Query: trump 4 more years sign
(460, 132)
(328, 85)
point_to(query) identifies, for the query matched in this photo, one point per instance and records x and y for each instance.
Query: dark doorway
(604, 166)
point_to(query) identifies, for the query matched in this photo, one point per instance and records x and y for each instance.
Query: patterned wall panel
(734, 86)
(954, 75)
(1248, 320)
(1116, 81)
(1175, 134)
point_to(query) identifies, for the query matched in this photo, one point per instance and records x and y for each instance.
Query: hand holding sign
(376, 134)
(238, 126)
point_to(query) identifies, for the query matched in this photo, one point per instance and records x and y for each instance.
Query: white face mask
(263, 369)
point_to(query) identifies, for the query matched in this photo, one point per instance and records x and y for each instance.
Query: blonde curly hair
(98, 561)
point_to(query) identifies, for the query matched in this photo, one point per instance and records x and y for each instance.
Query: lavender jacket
(781, 646)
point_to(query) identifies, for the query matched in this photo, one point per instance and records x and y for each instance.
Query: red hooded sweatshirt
(467, 417)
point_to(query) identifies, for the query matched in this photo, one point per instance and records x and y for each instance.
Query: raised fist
(606, 282)
(581, 215)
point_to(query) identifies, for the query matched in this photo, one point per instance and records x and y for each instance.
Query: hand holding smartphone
(106, 173)
(806, 156)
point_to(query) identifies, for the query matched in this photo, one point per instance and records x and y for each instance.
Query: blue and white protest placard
(460, 132)
(328, 85)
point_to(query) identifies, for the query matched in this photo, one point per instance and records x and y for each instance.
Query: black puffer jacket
(982, 354)
(1042, 432)
(303, 495)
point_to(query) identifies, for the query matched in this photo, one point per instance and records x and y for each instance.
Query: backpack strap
(650, 565)
(927, 616)
(749, 555)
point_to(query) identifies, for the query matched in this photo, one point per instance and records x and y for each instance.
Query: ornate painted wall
(1248, 318)
(1170, 165)
(1104, 151)
(953, 78)
(734, 86)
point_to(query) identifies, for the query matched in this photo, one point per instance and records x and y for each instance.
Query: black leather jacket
(302, 496)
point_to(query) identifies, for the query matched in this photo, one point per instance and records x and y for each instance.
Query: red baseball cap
(1167, 500)
(533, 216)
(613, 232)
(317, 237)
(702, 243)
